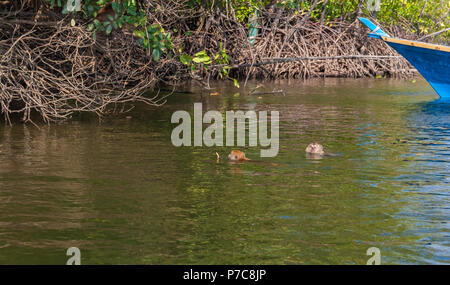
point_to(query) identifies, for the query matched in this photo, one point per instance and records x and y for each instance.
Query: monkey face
(314, 148)
(237, 155)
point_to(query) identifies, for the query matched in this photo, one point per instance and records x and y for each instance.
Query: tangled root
(57, 70)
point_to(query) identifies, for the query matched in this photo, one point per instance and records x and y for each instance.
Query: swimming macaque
(315, 148)
(237, 155)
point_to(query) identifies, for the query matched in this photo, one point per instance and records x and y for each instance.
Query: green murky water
(120, 191)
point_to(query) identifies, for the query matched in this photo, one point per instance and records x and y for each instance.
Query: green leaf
(201, 60)
(132, 12)
(236, 83)
(139, 34)
(115, 6)
(201, 54)
(202, 57)
(156, 54)
(108, 29)
(185, 59)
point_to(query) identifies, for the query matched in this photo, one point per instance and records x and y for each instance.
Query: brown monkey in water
(237, 155)
(315, 148)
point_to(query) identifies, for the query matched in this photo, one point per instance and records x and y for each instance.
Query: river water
(123, 194)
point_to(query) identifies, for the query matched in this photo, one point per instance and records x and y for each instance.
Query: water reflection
(427, 181)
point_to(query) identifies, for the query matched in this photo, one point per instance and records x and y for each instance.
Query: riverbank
(57, 64)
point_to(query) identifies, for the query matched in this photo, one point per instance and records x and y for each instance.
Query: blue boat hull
(432, 61)
(434, 65)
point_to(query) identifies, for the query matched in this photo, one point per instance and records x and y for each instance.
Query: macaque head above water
(237, 155)
(314, 148)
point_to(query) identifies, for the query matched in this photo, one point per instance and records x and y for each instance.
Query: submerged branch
(294, 59)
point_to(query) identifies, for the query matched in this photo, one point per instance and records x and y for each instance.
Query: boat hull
(432, 61)
(434, 65)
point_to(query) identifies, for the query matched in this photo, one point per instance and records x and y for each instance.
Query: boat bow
(432, 61)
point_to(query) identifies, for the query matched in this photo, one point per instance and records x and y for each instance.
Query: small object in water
(217, 157)
(315, 148)
(128, 117)
(214, 93)
(254, 89)
(400, 141)
(237, 155)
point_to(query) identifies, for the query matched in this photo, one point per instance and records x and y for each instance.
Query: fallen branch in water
(268, 92)
(293, 59)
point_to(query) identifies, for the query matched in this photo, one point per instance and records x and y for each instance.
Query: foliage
(423, 16)
(417, 16)
(245, 8)
(150, 36)
(124, 13)
(201, 58)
